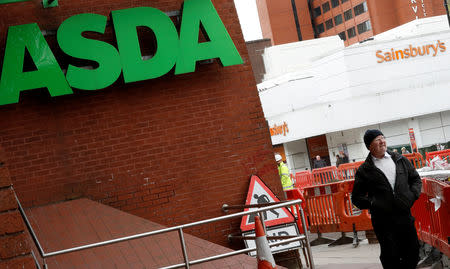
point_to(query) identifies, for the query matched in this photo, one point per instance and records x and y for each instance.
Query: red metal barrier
(444, 154)
(416, 159)
(348, 170)
(432, 213)
(324, 175)
(303, 179)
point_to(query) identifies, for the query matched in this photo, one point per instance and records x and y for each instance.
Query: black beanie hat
(370, 135)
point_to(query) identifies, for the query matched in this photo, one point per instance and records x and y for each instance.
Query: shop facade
(322, 91)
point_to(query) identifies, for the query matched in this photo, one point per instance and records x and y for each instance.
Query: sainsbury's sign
(181, 50)
(410, 52)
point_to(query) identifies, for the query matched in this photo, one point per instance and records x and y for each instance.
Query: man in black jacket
(388, 185)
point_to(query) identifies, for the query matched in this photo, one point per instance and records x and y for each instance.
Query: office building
(354, 21)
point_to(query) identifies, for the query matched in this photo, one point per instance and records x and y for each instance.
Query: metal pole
(33, 235)
(308, 246)
(229, 254)
(183, 246)
(268, 237)
(226, 207)
(261, 216)
(126, 238)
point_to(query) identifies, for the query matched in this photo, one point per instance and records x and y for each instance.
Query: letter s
(379, 55)
(72, 43)
(442, 46)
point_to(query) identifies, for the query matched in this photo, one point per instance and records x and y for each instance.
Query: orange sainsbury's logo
(279, 129)
(395, 55)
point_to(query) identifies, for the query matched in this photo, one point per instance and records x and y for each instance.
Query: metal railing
(180, 228)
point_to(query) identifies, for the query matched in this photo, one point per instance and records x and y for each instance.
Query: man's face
(378, 146)
(317, 157)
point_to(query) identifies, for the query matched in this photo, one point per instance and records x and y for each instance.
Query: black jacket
(373, 191)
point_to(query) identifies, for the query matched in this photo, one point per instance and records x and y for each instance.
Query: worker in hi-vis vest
(283, 171)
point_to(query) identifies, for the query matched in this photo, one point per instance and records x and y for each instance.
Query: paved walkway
(365, 256)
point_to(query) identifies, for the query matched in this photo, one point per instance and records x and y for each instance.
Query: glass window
(351, 32)
(364, 27)
(348, 15)
(317, 12)
(320, 28)
(329, 24)
(360, 9)
(343, 36)
(326, 7)
(334, 3)
(343, 1)
(338, 19)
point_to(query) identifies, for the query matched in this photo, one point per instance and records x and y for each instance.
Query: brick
(11, 222)
(5, 179)
(158, 144)
(14, 245)
(7, 200)
(23, 262)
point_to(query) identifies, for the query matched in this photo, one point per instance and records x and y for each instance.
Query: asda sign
(174, 49)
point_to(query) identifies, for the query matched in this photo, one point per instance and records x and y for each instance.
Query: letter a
(219, 43)
(48, 73)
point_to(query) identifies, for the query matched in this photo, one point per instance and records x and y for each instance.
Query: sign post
(412, 139)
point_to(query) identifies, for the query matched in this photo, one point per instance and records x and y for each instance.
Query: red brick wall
(15, 251)
(172, 149)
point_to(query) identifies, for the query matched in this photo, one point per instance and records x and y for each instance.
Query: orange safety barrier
(324, 175)
(444, 154)
(432, 213)
(350, 220)
(320, 207)
(294, 195)
(303, 179)
(348, 170)
(416, 159)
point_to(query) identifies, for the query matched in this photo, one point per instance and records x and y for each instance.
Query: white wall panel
(445, 117)
(429, 121)
(433, 136)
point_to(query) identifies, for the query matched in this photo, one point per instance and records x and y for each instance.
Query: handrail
(180, 228)
(30, 229)
(237, 252)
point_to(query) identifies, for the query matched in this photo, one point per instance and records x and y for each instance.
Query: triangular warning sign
(259, 193)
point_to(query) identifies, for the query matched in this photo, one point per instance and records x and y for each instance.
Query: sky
(248, 16)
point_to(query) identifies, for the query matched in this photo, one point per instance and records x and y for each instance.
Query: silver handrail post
(261, 216)
(183, 246)
(308, 246)
(33, 235)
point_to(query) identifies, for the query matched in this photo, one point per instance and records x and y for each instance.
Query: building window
(334, 3)
(360, 9)
(317, 12)
(351, 32)
(326, 7)
(363, 27)
(348, 15)
(329, 24)
(343, 36)
(338, 19)
(320, 28)
(343, 1)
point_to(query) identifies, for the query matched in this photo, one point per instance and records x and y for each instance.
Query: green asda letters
(180, 50)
